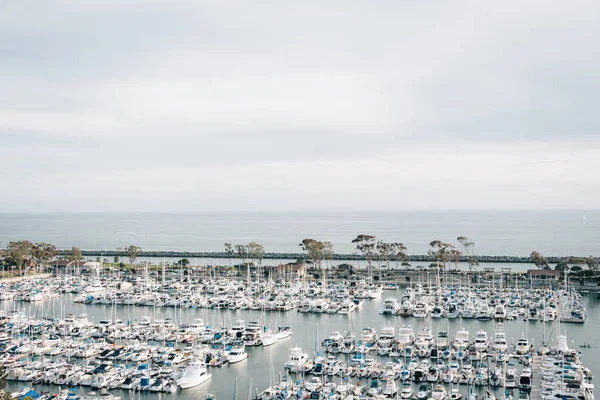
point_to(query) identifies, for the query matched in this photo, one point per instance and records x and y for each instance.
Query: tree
(241, 252)
(229, 251)
(366, 245)
(132, 253)
(386, 252)
(315, 250)
(383, 253)
(562, 265)
(21, 252)
(468, 250)
(44, 253)
(184, 262)
(256, 252)
(455, 254)
(328, 252)
(116, 260)
(399, 249)
(592, 264)
(75, 255)
(440, 252)
(539, 260)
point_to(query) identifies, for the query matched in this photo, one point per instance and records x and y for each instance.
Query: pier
(536, 377)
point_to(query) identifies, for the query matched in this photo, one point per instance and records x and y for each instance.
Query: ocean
(515, 233)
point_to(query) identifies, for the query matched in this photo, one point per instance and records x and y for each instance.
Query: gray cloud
(104, 94)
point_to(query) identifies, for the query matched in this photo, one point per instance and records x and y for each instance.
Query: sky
(175, 105)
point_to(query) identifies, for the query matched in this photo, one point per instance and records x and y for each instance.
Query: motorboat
(461, 339)
(390, 306)
(195, 374)
(237, 353)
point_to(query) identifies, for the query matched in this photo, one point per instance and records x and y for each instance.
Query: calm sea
(574, 232)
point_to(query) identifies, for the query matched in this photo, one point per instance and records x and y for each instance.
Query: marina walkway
(536, 377)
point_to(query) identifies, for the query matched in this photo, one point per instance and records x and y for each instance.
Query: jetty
(506, 259)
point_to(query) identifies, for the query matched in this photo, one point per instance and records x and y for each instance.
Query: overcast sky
(116, 105)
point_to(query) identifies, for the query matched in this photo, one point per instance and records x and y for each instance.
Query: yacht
(461, 340)
(407, 391)
(549, 314)
(237, 353)
(375, 292)
(452, 311)
(296, 360)
(481, 340)
(284, 332)
(439, 393)
(195, 374)
(237, 329)
(390, 306)
(421, 310)
(525, 380)
(424, 391)
(499, 312)
(499, 343)
(405, 335)
(533, 314)
(368, 335)
(391, 388)
(442, 340)
(94, 287)
(407, 309)
(253, 335)
(347, 307)
(437, 312)
(424, 338)
(483, 313)
(313, 384)
(511, 376)
(522, 346)
(387, 335)
(319, 306)
(305, 307)
(468, 311)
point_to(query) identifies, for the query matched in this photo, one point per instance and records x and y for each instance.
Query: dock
(536, 377)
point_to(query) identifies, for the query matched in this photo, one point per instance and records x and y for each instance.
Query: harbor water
(266, 363)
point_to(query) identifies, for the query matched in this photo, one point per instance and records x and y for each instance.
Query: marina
(294, 338)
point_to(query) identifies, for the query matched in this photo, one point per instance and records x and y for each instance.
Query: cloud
(498, 177)
(346, 100)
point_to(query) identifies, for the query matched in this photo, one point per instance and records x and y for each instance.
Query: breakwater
(303, 256)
